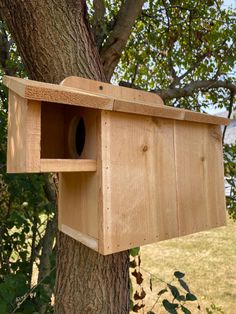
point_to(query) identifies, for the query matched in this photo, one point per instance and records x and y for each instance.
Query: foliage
(174, 296)
(230, 177)
(176, 42)
(25, 212)
(214, 309)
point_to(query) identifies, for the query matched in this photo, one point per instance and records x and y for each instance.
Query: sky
(230, 3)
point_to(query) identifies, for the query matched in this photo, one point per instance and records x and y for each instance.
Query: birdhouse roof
(98, 95)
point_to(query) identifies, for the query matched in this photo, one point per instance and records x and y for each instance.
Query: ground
(208, 260)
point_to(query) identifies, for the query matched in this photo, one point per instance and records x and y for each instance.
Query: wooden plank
(168, 113)
(17, 85)
(162, 112)
(199, 178)
(91, 242)
(204, 118)
(56, 93)
(113, 91)
(33, 136)
(214, 183)
(105, 244)
(16, 142)
(23, 152)
(99, 100)
(68, 165)
(139, 191)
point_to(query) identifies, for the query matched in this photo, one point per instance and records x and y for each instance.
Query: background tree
(182, 50)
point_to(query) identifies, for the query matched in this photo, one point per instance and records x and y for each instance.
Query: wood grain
(161, 179)
(137, 169)
(23, 151)
(83, 238)
(68, 165)
(199, 175)
(113, 91)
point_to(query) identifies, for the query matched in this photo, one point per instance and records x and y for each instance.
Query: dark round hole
(80, 136)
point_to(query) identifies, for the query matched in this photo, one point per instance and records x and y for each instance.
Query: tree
(182, 50)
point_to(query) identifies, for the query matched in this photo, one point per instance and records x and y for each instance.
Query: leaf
(132, 264)
(139, 296)
(150, 312)
(138, 276)
(138, 307)
(134, 251)
(174, 291)
(131, 304)
(162, 292)
(170, 307)
(178, 274)
(190, 297)
(3, 307)
(184, 285)
(185, 310)
(150, 283)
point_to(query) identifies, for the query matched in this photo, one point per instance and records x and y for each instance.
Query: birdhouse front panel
(132, 171)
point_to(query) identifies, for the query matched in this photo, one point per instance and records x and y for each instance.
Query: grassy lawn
(208, 260)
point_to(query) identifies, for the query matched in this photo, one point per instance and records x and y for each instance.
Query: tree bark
(88, 282)
(55, 41)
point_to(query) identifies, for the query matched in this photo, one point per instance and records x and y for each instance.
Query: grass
(208, 260)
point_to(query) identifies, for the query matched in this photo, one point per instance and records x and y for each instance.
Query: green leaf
(134, 251)
(178, 274)
(185, 310)
(184, 285)
(170, 307)
(150, 312)
(191, 297)
(174, 291)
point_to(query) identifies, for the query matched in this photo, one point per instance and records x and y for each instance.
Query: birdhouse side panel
(79, 196)
(23, 150)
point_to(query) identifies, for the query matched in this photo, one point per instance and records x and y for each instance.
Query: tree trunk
(55, 41)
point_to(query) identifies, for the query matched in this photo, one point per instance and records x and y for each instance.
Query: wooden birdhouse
(132, 170)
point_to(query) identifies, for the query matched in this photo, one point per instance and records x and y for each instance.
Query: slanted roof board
(104, 101)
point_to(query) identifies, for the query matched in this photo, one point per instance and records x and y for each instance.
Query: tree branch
(231, 104)
(190, 89)
(116, 42)
(98, 21)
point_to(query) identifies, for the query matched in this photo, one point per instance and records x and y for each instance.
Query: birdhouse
(132, 170)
